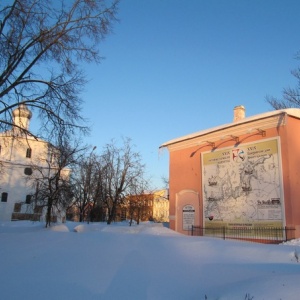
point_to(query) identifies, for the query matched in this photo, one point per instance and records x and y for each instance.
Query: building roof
(293, 112)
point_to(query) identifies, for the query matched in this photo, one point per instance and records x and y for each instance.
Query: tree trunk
(80, 216)
(111, 214)
(138, 216)
(48, 214)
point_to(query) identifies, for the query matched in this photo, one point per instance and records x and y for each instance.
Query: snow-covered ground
(146, 261)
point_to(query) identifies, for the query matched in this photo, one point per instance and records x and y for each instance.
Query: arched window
(28, 152)
(4, 197)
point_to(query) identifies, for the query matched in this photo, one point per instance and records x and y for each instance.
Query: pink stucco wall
(290, 149)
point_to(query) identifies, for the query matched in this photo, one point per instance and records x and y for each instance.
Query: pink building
(242, 174)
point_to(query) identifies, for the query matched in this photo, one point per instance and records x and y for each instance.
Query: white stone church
(18, 153)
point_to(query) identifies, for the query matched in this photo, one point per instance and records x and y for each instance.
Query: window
(28, 199)
(28, 152)
(51, 157)
(27, 171)
(4, 197)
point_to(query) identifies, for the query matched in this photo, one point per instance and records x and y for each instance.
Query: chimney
(238, 113)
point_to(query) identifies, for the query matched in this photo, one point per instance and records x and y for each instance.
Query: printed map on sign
(242, 186)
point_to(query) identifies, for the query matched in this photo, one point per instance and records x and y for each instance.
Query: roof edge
(294, 112)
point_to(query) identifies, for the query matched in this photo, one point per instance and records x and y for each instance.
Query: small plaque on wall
(188, 217)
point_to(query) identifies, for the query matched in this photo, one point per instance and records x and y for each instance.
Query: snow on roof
(293, 112)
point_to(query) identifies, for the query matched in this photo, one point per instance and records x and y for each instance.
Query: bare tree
(84, 185)
(121, 168)
(100, 191)
(165, 181)
(41, 44)
(290, 96)
(102, 182)
(51, 179)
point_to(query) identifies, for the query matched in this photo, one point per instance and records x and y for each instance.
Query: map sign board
(242, 186)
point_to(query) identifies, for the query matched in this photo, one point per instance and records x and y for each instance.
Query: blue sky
(174, 67)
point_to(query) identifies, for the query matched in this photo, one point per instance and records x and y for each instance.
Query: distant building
(149, 206)
(18, 153)
(161, 205)
(241, 174)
